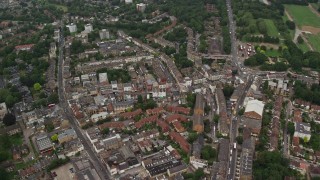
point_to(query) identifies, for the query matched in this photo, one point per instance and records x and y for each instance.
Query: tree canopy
(274, 163)
(9, 119)
(208, 153)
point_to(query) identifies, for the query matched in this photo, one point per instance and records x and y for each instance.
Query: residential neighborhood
(166, 90)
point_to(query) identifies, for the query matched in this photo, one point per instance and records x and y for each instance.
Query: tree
(49, 127)
(77, 47)
(37, 86)
(291, 128)
(216, 118)
(208, 153)
(192, 137)
(291, 25)
(198, 174)
(239, 139)
(54, 138)
(10, 101)
(140, 99)
(207, 109)
(105, 131)
(241, 111)
(274, 163)
(53, 98)
(262, 27)
(9, 119)
(4, 174)
(228, 90)
(300, 39)
(207, 126)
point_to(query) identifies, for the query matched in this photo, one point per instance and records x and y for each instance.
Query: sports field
(303, 16)
(271, 28)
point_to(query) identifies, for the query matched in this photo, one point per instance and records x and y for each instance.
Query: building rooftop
(68, 132)
(302, 127)
(254, 109)
(44, 142)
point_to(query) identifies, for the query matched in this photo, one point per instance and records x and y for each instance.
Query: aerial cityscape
(160, 89)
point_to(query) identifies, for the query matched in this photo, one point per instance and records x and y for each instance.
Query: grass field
(303, 16)
(271, 28)
(64, 8)
(315, 5)
(285, 18)
(304, 47)
(314, 41)
(272, 53)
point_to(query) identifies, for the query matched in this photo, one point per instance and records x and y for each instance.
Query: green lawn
(22, 165)
(285, 18)
(303, 16)
(314, 41)
(271, 28)
(64, 8)
(315, 5)
(272, 53)
(16, 139)
(304, 47)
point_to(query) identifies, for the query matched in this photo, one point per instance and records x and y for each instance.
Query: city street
(100, 168)
(234, 129)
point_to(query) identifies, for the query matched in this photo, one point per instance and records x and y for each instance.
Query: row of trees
(38, 13)
(298, 59)
(301, 91)
(181, 59)
(176, 35)
(250, 19)
(278, 66)
(10, 95)
(223, 14)
(272, 163)
(188, 11)
(119, 75)
(256, 60)
(265, 38)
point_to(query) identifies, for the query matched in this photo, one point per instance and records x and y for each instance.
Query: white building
(302, 130)
(254, 109)
(85, 77)
(198, 163)
(187, 81)
(104, 34)
(103, 77)
(99, 116)
(128, 1)
(127, 87)
(72, 28)
(3, 110)
(141, 7)
(88, 28)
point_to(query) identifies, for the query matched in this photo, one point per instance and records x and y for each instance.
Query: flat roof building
(44, 144)
(254, 109)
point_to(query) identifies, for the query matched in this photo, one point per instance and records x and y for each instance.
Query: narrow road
(234, 120)
(100, 168)
(285, 130)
